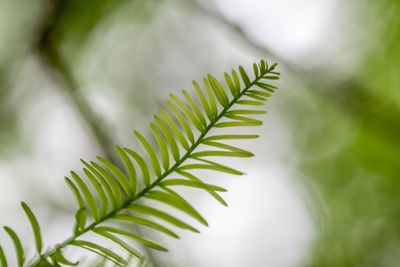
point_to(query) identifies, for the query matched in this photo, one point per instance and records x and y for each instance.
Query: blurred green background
(76, 77)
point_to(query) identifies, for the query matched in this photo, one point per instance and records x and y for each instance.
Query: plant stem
(155, 183)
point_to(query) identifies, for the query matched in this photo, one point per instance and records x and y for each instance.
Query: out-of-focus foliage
(16, 31)
(349, 148)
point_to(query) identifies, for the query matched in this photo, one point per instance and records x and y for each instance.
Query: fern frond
(109, 194)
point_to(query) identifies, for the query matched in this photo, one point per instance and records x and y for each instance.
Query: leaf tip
(136, 132)
(273, 66)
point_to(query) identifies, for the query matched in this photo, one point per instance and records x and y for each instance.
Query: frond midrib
(155, 183)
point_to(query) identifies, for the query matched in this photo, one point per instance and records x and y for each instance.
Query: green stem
(145, 190)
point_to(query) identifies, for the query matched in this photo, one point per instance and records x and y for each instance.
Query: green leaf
(245, 112)
(250, 103)
(118, 174)
(195, 108)
(230, 136)
(260, 93)
(171, 140)
(211, 99)
(186, 204)
(108, 182)
(243, 118)
(218, 153)
(99, 190)
(145, 222)
(273, 67)
(230, 85)
(3, 259)
(76, 192)
(17, 244)
(255, 69)
(163, 146)
(142, 164)
(271, 77)
(150, 152)
(138, 208)
(203, 100)
(88, 195)
(266, 86)
(210, 166)
(238, 152)
(224, 146)
(135, 237)
(245, 78)
(80, 221)
(181, 120)
(188, 113)
(263, 66)
(35, 226)
(130, 169)
(183, 182)
(177, 202)
(57, 256)
(236, 124)
(175, 129)
(236, 81)
(211, 192)
(269, 89)
(219, 91)
(256, 97)
(102, 251)
(213, 167)
(120, 242)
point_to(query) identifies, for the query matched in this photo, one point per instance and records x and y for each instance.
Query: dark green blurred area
(353, 153)
(345, 123)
